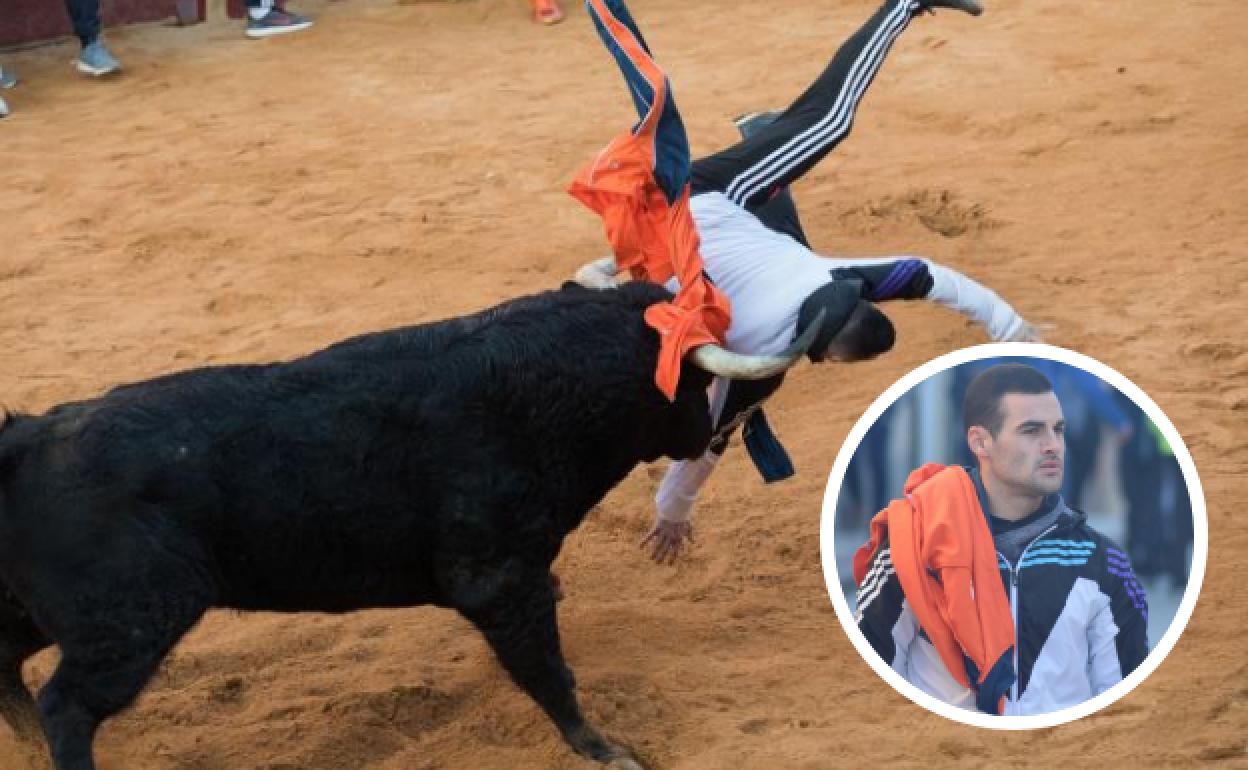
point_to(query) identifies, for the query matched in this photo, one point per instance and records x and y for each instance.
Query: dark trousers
(85, 16)
(752, 171)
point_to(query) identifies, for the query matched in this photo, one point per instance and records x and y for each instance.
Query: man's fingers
(657, 550)
(660, 550)
(666, 556)
(667, 550)
(665, 541)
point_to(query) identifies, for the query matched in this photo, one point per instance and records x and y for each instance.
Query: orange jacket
(945, 560)
(639, 186)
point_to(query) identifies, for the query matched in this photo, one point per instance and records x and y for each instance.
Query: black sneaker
(276, 22)
(751, 123)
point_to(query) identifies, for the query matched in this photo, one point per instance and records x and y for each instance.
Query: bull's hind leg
(517, 616)
(110, 650)
(19, 639)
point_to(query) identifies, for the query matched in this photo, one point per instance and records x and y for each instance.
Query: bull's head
(735, 366)
(603, 274)
(643, 419)
(689, 419)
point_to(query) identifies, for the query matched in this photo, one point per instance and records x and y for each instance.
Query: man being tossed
(757, 255)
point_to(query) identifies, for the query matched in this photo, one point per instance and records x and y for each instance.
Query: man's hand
(1033, 332)
(668, 538)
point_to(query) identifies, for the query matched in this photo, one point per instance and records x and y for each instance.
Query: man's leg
(779, 212)
(751, 171)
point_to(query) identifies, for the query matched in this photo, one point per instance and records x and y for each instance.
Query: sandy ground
(235, 201)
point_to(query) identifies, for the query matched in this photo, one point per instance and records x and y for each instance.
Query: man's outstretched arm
(888, 278)
(674, 507)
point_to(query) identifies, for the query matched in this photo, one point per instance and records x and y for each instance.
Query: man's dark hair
(867, 333)
(982, 403)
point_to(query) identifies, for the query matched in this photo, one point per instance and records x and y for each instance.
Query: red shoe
(546, 12)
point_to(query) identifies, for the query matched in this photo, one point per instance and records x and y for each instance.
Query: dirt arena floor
(229, 200)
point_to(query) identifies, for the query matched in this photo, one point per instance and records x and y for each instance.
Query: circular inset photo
(1014, 535)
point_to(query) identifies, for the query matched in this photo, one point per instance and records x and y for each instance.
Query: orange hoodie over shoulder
(942, 551)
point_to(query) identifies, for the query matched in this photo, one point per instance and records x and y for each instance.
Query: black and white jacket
(1080, 619)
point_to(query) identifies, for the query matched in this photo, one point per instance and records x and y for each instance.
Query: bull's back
(287, 499)
(343, 479)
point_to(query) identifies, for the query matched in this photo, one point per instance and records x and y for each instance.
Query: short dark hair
(866, 333)
(982, 403)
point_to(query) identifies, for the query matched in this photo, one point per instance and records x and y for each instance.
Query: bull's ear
(572, 286)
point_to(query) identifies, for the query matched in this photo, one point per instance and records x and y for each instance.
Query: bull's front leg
(514, 607)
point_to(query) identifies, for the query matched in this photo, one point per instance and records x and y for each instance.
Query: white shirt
(767, 276)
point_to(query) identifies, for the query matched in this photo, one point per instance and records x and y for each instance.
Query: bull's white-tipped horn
(735, 366)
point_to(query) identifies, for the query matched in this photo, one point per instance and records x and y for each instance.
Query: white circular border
(1200, 542)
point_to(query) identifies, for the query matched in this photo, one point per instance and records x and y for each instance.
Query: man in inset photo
(982, 587)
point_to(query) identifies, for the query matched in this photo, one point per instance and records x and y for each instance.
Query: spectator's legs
(266, 18)
(7, 80)
(95, 58)
(85, 17)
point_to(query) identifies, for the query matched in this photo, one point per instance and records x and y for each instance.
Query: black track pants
(752, 170)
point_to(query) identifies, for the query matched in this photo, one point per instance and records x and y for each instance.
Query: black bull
(441, 464)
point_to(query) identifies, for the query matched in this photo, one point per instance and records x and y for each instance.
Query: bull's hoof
(588, 743)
